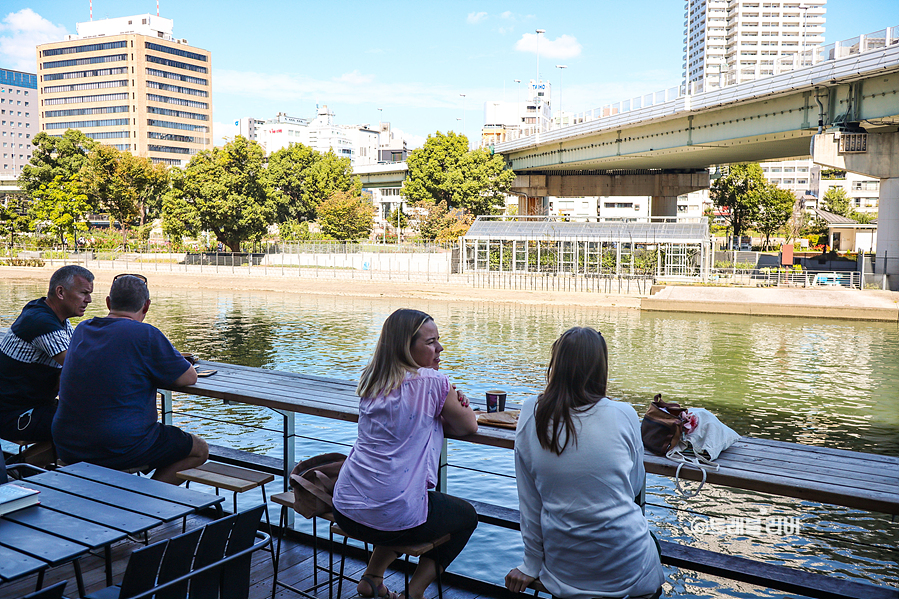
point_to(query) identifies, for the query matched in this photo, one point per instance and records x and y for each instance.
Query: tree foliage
(14, 218)
(444, 170)
(303, 178)
(436, 222)
(224, 191)
(55, 157)
(836, 200)
(345, 215)
(60, 207)
(738, 193)
(775, 209)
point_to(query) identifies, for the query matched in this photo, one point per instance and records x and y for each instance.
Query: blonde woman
(382, 495)
(579, 466)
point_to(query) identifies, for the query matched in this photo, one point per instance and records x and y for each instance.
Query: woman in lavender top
(382, 495)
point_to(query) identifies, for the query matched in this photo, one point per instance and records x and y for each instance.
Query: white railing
(812, 56)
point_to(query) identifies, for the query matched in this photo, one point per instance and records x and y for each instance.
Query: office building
(128, 82)
(18, 120)
(505, 121)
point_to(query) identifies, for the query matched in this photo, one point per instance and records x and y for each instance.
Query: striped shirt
(29, 375)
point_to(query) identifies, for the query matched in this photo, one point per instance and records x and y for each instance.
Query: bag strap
(316, 488)
(680, 489)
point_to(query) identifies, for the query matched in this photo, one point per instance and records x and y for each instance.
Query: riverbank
(813, 302)
(412, 290)
(829, 302)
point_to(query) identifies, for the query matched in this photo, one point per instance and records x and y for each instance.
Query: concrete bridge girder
(880, 159)
(643, 184)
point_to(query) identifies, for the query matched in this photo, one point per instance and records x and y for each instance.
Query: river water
(819, 382)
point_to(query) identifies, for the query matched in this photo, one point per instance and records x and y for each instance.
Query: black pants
(446, 515)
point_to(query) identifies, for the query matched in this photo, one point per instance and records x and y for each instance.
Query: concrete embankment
(831, 302)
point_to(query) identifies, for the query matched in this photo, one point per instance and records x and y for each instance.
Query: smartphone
(206, 372)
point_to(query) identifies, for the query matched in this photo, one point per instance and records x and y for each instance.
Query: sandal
(377, 590)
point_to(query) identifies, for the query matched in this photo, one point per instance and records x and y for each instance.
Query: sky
(409, 62)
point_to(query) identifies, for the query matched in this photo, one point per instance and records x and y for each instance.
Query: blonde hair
(393, 354)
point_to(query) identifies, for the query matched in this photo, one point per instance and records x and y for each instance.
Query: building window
(176, 51)
(87, 48)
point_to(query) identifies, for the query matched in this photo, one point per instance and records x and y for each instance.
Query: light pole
(518, 105)
(561, 68)
(539, 32)
(380, 115)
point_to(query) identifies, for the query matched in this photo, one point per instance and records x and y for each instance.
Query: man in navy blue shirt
(33, 351)
(107, 392)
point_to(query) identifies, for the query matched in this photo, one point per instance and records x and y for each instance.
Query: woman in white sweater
(579, 466)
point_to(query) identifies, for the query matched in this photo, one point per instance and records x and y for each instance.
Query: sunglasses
(125, 274)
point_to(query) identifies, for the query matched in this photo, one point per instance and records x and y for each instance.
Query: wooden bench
(780, 578)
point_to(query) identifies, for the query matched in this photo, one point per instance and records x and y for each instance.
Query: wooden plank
(138, 484)
(781, 578)
(872, 501)
(133, 502)
(253, 476)
(219, 481)
(824, 450)
(15, 564)
(107, 515)
(799, 458)
(65, 526)
(37, 544)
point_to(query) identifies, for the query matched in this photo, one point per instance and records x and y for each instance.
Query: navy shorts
(172, 445)
(28, 424)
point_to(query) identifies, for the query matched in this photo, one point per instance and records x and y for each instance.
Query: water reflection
(826, 383)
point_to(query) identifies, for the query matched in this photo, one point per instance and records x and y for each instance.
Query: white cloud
(355, 77)
(564, 46)
(506, 15)
(222, 130)
(476, 17)
(20, 32)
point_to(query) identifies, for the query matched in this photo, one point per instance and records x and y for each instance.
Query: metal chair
(211, 549)
(236, 577)
(177, 562)
(140, 573)
(51, 592)
(286, 500)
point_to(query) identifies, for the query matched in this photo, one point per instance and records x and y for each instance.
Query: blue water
(819, 382)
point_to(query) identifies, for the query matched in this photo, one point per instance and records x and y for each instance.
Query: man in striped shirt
(32, 353)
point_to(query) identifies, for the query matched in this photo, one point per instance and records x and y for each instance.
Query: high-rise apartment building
(18, 120)
(129, 83)
(727, 42)
(732, 41)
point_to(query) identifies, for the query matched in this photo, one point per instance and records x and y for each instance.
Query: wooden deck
(296, 569)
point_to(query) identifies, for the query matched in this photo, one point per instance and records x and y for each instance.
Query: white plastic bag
(707, 440)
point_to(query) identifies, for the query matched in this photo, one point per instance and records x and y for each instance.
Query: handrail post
(166, 406)
(290, 454)
(441, 471)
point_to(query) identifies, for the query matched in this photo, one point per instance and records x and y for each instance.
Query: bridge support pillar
(663, 206)
(874, 155)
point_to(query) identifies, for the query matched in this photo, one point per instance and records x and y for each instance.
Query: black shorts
(27, 424)
(172, 445)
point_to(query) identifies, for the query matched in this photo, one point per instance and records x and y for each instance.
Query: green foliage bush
(37, 262)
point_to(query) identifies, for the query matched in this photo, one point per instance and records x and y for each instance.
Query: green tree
(837, 201)
(287, 170)
(107, 188)
(14, 218)
(398, 219)
(327, 175)
(444, 170)
(224, 191)
(864, 218)
(738, 193)
(148, 183)
(59, 208)
(345, 215)
(775, 209)
(832, 173)
(55, 157)
(436, 222)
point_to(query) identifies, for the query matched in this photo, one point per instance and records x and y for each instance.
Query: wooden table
(85, 507)
(847, 478)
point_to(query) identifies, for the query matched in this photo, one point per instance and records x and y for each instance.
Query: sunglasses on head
(125, 274)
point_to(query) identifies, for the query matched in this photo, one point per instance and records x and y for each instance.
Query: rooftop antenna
(157, 8)
(92, 9)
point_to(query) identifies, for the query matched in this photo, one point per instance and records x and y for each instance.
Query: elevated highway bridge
(843, 112)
